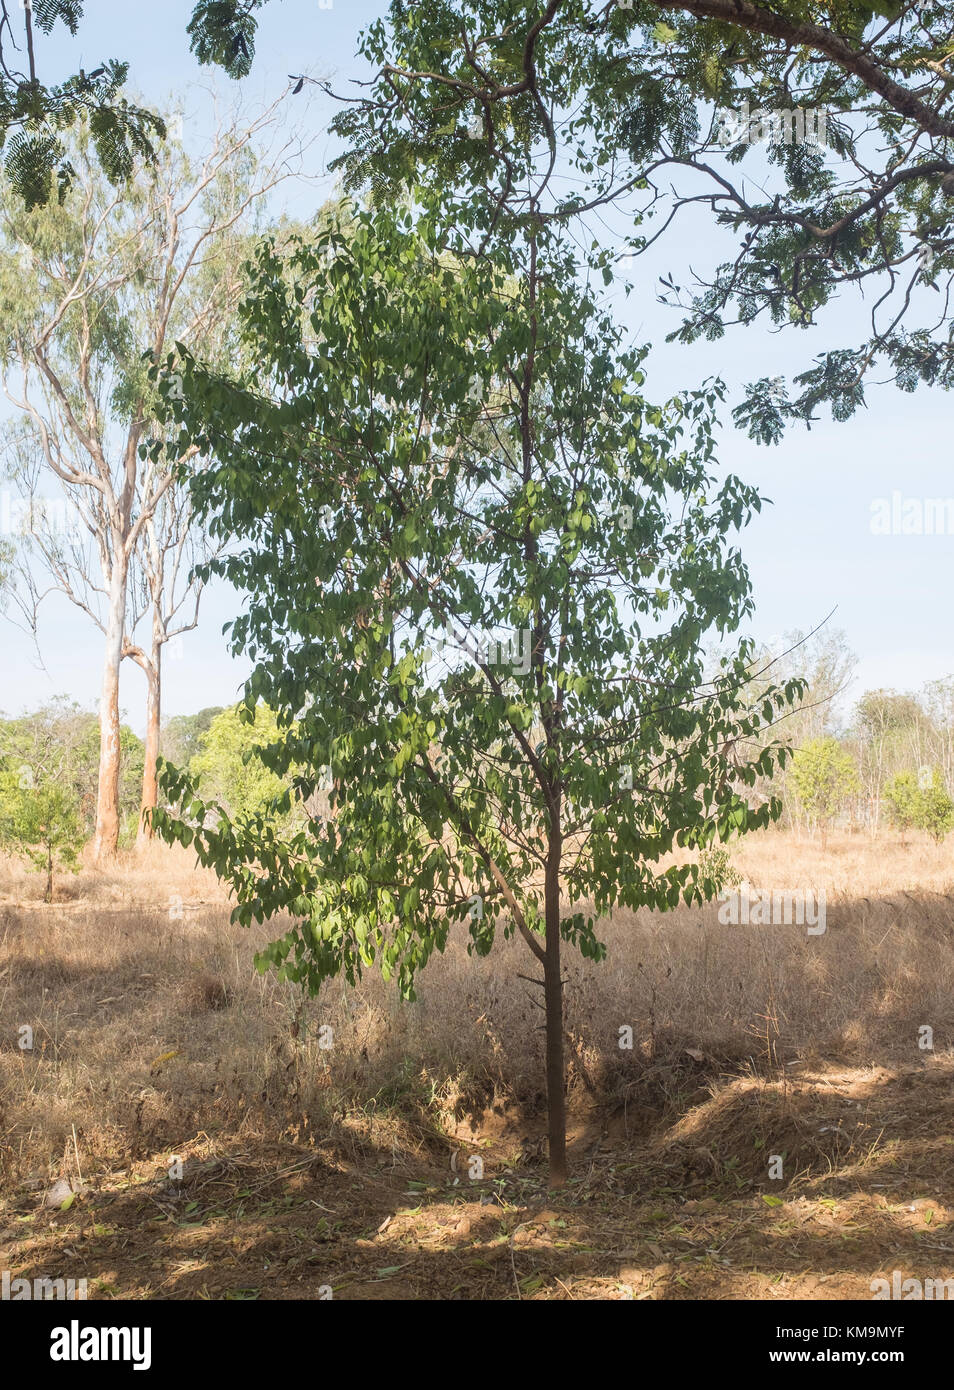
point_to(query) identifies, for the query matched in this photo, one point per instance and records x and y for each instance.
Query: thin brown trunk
(31, 52)
(553, 1001)
(150, 785)
(106, 838)
(552, 982)
(48, 898)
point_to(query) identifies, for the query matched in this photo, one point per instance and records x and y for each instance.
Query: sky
(814, 551)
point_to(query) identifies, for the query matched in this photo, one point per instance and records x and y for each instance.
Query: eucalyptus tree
(481, 568)
(165, 595)
(86, 288)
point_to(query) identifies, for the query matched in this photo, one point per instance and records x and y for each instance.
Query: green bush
(900, 795)
(824, 778)
(40, 820)
(716, 864)
(923, 804)
(228, 766)
(934, 809)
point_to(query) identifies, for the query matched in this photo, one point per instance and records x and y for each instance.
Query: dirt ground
(187, 1180)
(679, 1217)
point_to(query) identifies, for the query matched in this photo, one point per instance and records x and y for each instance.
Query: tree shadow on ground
(256, 1220)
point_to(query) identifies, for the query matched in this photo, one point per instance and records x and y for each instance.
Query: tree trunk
(150, 786)
(553, 1000)
(106, 838)
(48, 896)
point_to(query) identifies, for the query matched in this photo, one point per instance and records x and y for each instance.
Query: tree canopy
(481, 566)
(611, 109)
(624, 107)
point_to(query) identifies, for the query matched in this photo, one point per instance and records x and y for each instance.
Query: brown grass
(306, 1167)
(151, 1027)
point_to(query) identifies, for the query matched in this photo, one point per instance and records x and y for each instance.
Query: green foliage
(633, 103)
(467, 90)
(34, 118)
(40, 806)
(824, 778)
(933, 808)
(228, 766)
(630, 101)
(179, 741)
(47, 12)
(717, 866)
(59, 744)
(901, 794)
(41, 823)
(387, 474)
(920, 801)
(222, 32)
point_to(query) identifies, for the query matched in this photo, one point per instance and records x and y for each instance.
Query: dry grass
(151, 1027)
(306, 1167)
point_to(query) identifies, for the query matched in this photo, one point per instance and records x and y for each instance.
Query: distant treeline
(890, 763)
(893, 763)
(49, 769)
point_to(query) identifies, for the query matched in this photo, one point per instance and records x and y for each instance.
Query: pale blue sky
(810, 552)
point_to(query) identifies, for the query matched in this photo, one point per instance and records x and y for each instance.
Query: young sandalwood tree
(41, 822)
(480, 568)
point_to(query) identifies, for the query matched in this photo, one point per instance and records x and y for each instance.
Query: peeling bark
(150, 785)
(106, 837)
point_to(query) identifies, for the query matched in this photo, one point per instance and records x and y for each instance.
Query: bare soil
(408, 1162)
